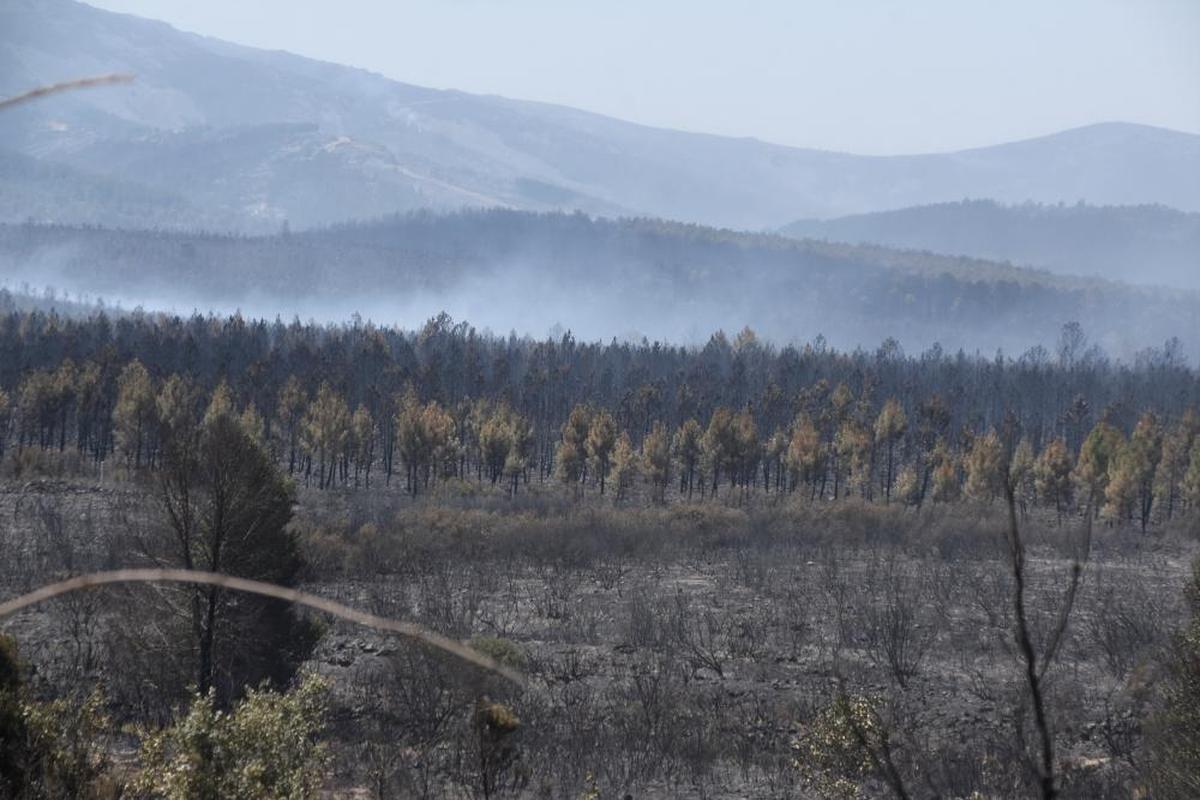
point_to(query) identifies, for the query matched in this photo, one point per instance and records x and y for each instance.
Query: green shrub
(836, 752)
(266, 748)
(503, 651)
(50, 751)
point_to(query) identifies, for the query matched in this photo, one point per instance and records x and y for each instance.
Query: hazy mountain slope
(526, 272)
(271, 136)
(1142, 244)
(44, 191)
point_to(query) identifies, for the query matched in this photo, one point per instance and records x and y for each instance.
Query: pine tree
(805, 453)
(134, 412)
(718, 446)
(890, 427)
(1176, 449)
(852, 444)
(625, 466)
(656, 457)
(1021, 474)
(946, 486)
(571, 456)
(255, 427)
(601, 438)
(362, 434)
(293, 402)
(746, 449)
(774, 453)
(841, 403)
(90, 398)
(220, 403)
(178, 414)
(229, 510)
(36, 411)
(1095, 458)
(64, 390)
(1052, 475)
(1145, 451)
(437, 434)
(985, 468)
(495, 442)
(522, 442)
(325, 430)
(908, 485)
(688, 451)
(1130, 486)
(1120, 490)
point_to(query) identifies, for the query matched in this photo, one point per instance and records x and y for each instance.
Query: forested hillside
(336, 403)
(36, 189)
(1139, 244)
(508, 270)
(366, 440)
(683, 542)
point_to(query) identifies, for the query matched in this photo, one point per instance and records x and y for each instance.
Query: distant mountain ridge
(1146, 244)
(258, 137)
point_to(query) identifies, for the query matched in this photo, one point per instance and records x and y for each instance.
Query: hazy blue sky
(869, 76)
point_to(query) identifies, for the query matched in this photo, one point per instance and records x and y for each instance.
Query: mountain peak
(449, 149)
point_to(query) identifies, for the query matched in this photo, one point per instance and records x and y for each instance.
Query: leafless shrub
(503, 614)
(556, 591)
(753, 567)
(608, 571)
(1127, 625)
(796, 601)
(643, 626)
(898, 636)
(405, 709)
(697, 633)
(448, 599)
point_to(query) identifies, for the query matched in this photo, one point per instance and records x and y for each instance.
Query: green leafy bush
(503, 651)
(51, 751)
(267, 748)
(836, 752)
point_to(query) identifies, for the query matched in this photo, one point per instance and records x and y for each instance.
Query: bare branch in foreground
(407, 629)
(1033, 676)
(64, 86)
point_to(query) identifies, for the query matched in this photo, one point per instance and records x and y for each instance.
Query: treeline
(355, 405)
(507, 268)
(1145, 244)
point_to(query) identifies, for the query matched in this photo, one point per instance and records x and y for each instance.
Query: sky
(863, 76)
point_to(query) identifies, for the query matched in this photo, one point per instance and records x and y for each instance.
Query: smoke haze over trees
(633, 496)
(524, 272)
(1144, 244)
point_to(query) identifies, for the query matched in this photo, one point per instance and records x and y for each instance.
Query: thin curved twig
(1033, 676)
(407, 629)
(1068, 604)
(65, 86)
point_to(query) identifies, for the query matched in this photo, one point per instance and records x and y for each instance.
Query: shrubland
(726, 571)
